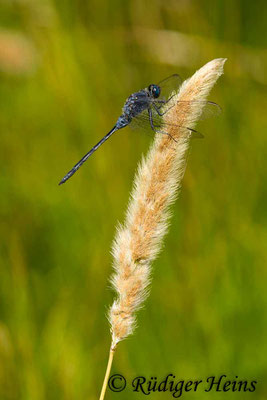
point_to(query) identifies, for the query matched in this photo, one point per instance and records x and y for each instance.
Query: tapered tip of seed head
(220, 60)
(217, 61)
(216, 64)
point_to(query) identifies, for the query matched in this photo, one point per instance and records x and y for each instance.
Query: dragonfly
(145, 109)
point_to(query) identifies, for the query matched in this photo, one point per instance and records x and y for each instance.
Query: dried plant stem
(104, 386)
(156, 185)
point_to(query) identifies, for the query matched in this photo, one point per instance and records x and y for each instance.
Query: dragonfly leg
(158, 109)
(157, 126)
(164, 101)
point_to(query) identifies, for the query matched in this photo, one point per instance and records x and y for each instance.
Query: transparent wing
(172, 84)
(156, 124)
(209, 108)
(169, 85)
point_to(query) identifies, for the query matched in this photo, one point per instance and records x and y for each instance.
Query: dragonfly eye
(154, 90)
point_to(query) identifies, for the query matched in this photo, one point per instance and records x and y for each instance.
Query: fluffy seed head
(156, 186)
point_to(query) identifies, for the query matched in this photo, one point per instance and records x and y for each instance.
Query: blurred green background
(66, 68)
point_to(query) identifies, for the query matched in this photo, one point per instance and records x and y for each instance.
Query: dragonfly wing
(209, 108)
(168, 86)
(157, 125)
(141, 123)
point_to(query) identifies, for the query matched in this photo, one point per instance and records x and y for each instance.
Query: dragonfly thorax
(136, 103)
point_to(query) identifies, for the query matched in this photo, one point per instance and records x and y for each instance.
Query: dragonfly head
(154, 91)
